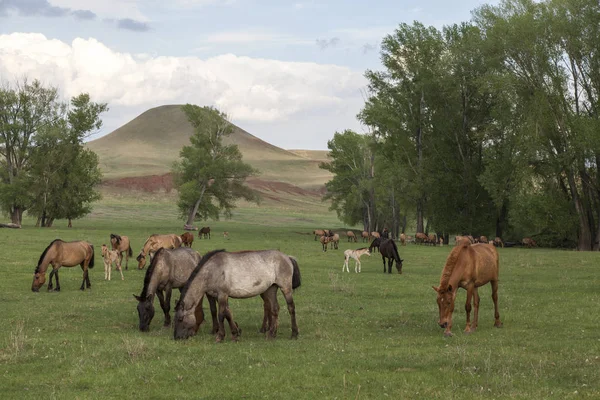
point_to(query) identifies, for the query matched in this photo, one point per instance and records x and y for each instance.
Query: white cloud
(248, 89)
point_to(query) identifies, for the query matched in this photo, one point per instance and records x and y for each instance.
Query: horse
(155, 242)
(110, 257)
(403, 239)
(365, 236)
(483, 239)
(169, 269)
(240, 275)
(498, 242)
(421, 237)
(225, 235)
(431, 239)
(318, 233)
(388, 249)
(187, 239)
(204, 232)
(355, 254)
(63, 254)
(375, 235)
(324, 240)
(334, 240)
(375, 244)
(529, 242)
(351, 236)
(121, 244)
(468, 267)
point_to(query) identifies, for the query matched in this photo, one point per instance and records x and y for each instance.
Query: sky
(289, 72)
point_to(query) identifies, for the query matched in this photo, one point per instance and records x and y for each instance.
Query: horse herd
(219, 275)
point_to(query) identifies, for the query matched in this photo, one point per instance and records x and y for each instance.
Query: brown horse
(529, 242)
(498, 242)
(318, 233)
(155, 242)
(351, 236)
(187, 239)
(63, 254)
(324, 240)
(403, 239)
(421, 237)
(334, 240)
(121, 244)
(375, 235)
(469, 267)
(365, 236)
(204, 232)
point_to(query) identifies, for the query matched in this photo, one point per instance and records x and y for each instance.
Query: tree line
(489, 126)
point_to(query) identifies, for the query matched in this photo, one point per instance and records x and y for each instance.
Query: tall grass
(368, 335)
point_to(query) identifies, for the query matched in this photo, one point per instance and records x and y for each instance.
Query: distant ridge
(150, 143)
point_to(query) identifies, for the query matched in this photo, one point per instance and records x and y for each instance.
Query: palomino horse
(355, 254)
(351, 236)
(388, 249)
(238, 275)
(187, 239)
(121, 244)
(204, 232)
(155, 242)
(110, 257)
(318, 233)
(169, 269)
(63, 254)
(469, 267)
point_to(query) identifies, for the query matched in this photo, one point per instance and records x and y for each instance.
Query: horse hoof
(448, 334)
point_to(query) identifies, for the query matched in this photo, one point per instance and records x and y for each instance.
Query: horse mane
(195, 272)
(116, 237)
(149, 272)
(451, 263)
(37, 269)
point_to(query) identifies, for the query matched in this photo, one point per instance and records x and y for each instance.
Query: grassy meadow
(362, 336)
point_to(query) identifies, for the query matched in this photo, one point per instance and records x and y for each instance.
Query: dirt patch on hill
(164, 183)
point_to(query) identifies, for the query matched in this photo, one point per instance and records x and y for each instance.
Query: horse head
(141, 259)
(145, 310)
(185, 321)
(445, 301)
(39, 278)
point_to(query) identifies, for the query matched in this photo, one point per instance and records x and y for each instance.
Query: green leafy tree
(210, 176)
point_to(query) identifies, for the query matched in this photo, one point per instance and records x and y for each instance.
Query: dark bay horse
(204, 232)
(469, 267)
(169, 269)
(63, 254)
(388, 249)
(121, 244)
(239, 275)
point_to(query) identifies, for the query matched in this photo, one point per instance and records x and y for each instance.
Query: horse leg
(390, 263)
(222, 307)
(50, 287)
(357, 264)
(266, 313)
(212, 302)
(199, 314)
(468, 307)
(271, 295)
(120, 269)
(287, 294)
(164, 306)
(497, 322)
(84, 269)
(475, 310)
(383, 258)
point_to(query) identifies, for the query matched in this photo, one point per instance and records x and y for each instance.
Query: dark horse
(63, 254)
(239, 275)
(388, 249)
(204, 232)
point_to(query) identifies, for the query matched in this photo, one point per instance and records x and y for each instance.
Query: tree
(210, 175)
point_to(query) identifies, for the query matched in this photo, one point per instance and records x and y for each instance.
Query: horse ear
(138, 298)
(435, 288)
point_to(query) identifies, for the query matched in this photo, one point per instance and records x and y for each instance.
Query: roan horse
(169, 269)
(388, 249)
(239, 275)
(121, 244)
(155, 242)
(469, 267)
(63, 254)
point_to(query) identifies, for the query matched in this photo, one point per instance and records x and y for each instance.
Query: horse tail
(396, 254)
(129, 251)
(91, 264)
(296, 280)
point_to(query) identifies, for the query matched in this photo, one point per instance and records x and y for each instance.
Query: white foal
(109, 257)
(355, 254)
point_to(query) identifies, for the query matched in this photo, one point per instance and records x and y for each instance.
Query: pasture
(368, 335)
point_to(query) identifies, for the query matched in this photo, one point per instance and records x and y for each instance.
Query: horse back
(485, 263)
(70, 254)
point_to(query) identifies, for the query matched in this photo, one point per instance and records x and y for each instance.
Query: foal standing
(109, 257)
(355, 254)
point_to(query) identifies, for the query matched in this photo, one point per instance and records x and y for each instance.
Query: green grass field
(362, 336)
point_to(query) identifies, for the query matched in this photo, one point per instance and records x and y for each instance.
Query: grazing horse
(121, 244)
(351, 236)
(318, 233)
(169, 269)
(388, 249)
(431, 239)
(334, 240)
(63, 254)
(469, 267)
(403, 239)
(365, 236)
(529, 242)
(110, 257)
(375, 235)
(324, 240)
(155, 242)
(421, 237)
(498, 242)
(483, 239)
(355, 254)
(204, 232)
(375, 245)
(187, 239)
(238, 275)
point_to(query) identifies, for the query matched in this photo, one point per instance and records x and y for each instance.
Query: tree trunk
(70, 225)
(501, 220)
(16, 215)
(404, 224)
(194, 210)
(584, 235)
(420, 216)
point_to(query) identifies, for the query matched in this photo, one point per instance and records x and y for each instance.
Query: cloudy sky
(289, 72)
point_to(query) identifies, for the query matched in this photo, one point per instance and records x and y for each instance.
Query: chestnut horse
(63, 254)
(121, 244)
(155, 242)
(187, 239)
(469, 267)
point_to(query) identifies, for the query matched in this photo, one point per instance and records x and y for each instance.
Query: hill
(140, 154)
